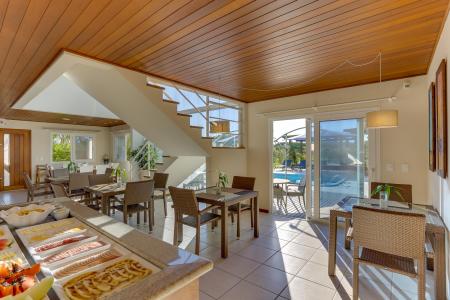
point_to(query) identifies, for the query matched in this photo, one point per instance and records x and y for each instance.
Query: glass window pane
(120, 148)
(61, 147)
(84, 148)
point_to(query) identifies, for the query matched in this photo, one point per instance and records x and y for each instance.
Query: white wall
(403, 145)
(40, 139)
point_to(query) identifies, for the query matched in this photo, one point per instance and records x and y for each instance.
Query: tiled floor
(288, 261)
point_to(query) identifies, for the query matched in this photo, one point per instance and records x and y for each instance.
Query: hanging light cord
(345, 62)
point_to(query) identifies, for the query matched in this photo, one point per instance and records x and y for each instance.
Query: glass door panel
(343, 162)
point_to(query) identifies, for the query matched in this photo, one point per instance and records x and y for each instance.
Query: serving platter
(11, 253)
(55, 269)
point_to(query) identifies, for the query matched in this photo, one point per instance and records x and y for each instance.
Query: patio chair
(287, 163)
(300, 192)
(160, 189)
(63, 172)
(390, 240)
(59, 190)
(243, 183)
(278, 193)
(137, 198)
(35, 190)
(185, 203)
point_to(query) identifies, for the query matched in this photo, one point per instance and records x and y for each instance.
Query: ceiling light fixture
(382, 118)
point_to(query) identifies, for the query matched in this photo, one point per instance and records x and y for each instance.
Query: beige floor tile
(270, 279)
(319, 274)
(308, 240)
(285, 262)
(269, 242)
(204, 296)
(284, 234)
(237, 245)
(238, 265)
(298, 250)
(259, 254)
(247, 291)
(320, 257)
(368, 290)
(216, 282)
(301, 289)
(213, 253)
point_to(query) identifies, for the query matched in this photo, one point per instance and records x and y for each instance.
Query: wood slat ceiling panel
(224, 46)
(39, 116)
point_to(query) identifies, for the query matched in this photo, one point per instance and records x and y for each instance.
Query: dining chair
(36, 189)
(62, 172)
(59, 190)
(77, 183)
(242, 183)
(137, 198)
(300, 192)
(109, 172)
(95, 179)
(160, 189)
(187, 212)
(390, 240)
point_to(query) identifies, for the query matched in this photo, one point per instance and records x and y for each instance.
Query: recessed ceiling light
(65, 119)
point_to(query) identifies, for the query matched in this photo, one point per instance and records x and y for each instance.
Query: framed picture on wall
(431, 128)
(441, 119)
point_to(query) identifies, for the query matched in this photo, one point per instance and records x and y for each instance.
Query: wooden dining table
(435, 228)
(106, 191)
(228, 197)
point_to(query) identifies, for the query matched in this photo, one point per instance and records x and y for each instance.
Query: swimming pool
(292, 177)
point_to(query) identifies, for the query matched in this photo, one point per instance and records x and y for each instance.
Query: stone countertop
(178, 267)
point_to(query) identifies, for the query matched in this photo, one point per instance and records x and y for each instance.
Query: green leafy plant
(223, 180)
(120, 174)
(72, 167)
(387, 189)
(145, 156)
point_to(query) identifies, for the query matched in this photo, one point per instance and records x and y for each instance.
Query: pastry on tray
(93, 285)
(86, 263)
(45, 236)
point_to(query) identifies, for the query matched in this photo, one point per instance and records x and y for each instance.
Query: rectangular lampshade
(219, 126)
(382, 119)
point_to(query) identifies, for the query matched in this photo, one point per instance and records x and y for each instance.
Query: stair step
(195, 126)
(208, 137)
(171, 101)
(155, 86)
(184, 115)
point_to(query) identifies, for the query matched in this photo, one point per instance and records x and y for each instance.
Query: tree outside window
(61, 147)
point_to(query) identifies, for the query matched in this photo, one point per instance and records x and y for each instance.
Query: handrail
(187, 99)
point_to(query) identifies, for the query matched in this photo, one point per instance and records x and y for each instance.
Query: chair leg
(421, 285)
(238, 233)
(138, 217)
(165, 203)
(175, 232)
(197, 236)
(251, 213)
(145, 212)
(150, 221)
(346, 241)
(355, 279)
(125, 215)
(232, 217)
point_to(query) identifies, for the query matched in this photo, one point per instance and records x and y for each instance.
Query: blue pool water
(292, 177)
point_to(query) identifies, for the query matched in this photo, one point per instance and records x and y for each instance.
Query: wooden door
(15, 157)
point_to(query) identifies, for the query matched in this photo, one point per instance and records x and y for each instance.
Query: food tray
(13, 252)
(38, 235)
(25, 233)
(42, 254)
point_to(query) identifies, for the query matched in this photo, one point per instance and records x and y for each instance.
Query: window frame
(73, 146)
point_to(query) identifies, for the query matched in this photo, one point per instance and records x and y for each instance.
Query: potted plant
(222, 182)
(121, 174)
(72, 167)
(385, 191)
(146, 157)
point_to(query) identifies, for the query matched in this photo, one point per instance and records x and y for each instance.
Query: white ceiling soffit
(64, 96)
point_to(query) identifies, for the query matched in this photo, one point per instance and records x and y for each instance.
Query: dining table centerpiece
(221, 182)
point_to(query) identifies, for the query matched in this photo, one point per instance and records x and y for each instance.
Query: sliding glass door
(343, 161)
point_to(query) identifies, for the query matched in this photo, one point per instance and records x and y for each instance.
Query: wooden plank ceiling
(247, 50)
(47, 117)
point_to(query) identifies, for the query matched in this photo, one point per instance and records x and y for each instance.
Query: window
(71, 147)
(84, 148)
(61, 147)
(121, 142)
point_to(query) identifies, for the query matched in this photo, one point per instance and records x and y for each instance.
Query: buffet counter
(161, 270)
